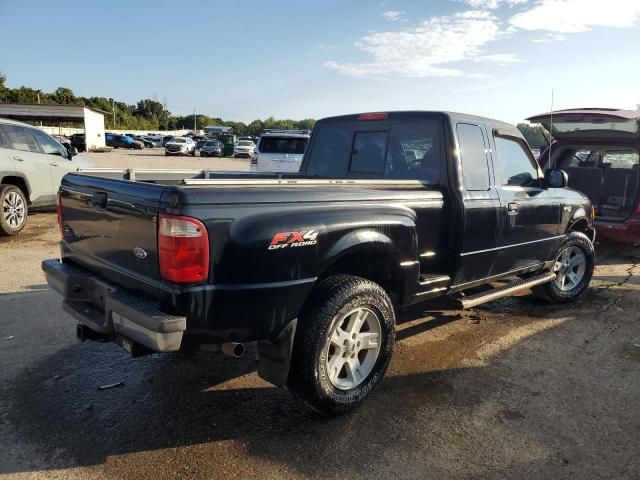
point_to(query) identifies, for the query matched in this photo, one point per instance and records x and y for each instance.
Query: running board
(483, 297)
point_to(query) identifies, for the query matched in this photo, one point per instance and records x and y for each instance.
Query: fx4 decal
(303, 238)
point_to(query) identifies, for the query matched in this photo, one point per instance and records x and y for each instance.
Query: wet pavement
(512, 389)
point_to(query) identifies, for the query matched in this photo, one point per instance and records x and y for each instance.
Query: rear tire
(344, 343)
(13, 210)
(574, 266)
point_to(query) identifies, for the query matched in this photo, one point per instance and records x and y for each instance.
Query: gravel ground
(513, 389)
(155, 158)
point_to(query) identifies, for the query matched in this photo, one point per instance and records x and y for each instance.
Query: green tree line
(147, 114)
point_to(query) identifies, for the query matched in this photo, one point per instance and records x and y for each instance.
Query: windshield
(245, 144)
(283, 145)
(179, 140)
(566, 124)
(212, 144)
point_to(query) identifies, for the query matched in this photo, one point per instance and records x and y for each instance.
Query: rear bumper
(112, 311)
(627, 232)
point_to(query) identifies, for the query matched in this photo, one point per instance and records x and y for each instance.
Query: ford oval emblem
(140, 252)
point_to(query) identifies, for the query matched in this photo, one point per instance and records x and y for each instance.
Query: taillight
(183, 249)
(59, 209)
(372, 116)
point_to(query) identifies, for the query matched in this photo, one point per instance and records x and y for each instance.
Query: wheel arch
(582, 225)
(368, 254)
(18, 181)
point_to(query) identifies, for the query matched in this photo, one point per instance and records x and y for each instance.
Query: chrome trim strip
(428, 254)
(439, 289)
(443, 278)
(464, 254)
(409, 263)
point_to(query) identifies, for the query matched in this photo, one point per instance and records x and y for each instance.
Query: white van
(280, 151)
(32, 164)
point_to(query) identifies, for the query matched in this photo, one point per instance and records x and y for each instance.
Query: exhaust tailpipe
(233, 349)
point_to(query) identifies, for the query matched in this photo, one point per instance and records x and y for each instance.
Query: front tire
(13, 210)
(574, 266)
(344, 343)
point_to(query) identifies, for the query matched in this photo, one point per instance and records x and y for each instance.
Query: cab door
(530, 214)
(481, 204)
(30, 162)
(57, 156)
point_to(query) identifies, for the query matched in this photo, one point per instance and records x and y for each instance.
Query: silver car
(32, 164)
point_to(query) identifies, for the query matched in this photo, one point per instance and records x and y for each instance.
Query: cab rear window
(401, 150)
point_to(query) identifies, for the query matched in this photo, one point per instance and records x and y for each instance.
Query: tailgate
(113, 221)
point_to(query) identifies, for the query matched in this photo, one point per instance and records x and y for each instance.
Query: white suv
(280, 151)
(32, 164)
(180, 146)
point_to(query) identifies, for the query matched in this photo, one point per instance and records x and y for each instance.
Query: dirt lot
(514, 389)
(155, 158)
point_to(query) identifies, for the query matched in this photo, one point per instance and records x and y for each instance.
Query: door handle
(16, 157)
(54, 164)
(512, 208)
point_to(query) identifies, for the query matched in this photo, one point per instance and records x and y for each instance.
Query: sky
(243, 59)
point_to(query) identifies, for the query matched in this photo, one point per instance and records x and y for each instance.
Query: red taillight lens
(59, 209)
(183, 249)
(372, 116)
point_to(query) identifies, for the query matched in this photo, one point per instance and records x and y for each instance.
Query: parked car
(145, 141)
(244, 148)
(201, 142)
(279, 151)
(598, 148)
(62, 140)
(122, 141)
(167, 138)
(180, 146)
(212, 148)
(32, 164)
(78, 142)
(388, 210)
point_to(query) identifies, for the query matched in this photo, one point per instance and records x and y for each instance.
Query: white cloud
(571, 16)
(493, 4)
(502, 58)
(392, 15)
(427, 50)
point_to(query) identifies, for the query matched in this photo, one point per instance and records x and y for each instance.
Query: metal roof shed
(92, 118)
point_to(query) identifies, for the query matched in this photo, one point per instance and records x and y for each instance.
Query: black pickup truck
(388, 210)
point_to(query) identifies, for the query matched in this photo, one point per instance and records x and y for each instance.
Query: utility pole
(113, 107)
(195, 123)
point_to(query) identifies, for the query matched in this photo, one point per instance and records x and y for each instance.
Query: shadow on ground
(542, 404)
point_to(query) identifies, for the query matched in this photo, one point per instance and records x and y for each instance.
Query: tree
(535, 135)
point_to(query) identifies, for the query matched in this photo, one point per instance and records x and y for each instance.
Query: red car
(598, 148)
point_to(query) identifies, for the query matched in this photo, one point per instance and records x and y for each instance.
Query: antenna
(550, 130)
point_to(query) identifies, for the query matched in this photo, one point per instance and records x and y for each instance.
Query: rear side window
(283, 145)
(473, 154)
(368, 152)
(515, 165)
(20, 138)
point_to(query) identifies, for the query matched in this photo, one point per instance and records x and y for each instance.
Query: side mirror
(555, 178)
(72, 152)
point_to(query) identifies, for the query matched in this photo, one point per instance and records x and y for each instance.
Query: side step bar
(484, 297)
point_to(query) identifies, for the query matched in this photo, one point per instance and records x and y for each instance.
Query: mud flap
(274, 355)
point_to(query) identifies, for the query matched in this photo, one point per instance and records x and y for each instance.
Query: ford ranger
(388, 210)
